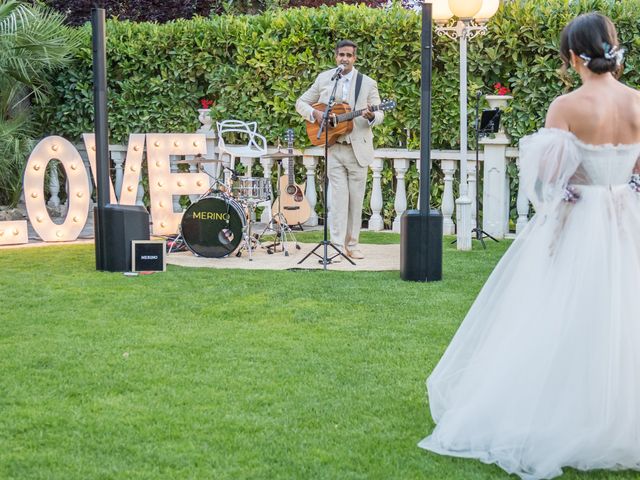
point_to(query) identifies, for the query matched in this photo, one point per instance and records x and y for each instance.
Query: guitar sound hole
(291, 189)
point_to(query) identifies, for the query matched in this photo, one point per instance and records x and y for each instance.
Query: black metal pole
(100, 105)
(425, 107)
(101, 133)
(421, 230)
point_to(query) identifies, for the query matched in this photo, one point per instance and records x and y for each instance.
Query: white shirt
(346, 85)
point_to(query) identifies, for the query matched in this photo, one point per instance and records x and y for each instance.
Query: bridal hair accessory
(571, 194)
(634, 183)
(613, 52)
(586, 59)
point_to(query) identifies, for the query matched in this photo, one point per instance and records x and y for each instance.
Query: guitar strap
(358, 85)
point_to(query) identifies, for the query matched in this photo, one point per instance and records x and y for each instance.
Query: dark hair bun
(602, 65)
(593, 38)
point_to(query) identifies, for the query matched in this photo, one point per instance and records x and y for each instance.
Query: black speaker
(120, 225)
(148, 256)
(421, 246)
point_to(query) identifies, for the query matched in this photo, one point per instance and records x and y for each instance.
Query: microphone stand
(479, 232)
(325, 243)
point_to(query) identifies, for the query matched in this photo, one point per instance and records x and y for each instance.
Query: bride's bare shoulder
(560, 111)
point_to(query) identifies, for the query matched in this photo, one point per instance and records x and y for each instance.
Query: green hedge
(255, 67)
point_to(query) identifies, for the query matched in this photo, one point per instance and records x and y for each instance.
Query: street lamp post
(472, 16)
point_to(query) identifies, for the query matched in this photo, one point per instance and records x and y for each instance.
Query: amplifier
(148, 256)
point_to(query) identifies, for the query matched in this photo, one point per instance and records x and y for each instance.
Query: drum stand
(279, 226)
(247, 237)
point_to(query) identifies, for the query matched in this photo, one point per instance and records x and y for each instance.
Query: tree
(34, 42)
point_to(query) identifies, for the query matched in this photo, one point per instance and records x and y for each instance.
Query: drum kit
(219, 223)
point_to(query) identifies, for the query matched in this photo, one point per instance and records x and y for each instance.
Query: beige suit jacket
(361, 137)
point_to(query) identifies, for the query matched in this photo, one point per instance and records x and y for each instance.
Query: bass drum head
(212, 227)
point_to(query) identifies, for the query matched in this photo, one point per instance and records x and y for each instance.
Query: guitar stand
(278, 225)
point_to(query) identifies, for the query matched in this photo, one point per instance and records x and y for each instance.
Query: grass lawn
(226, 374)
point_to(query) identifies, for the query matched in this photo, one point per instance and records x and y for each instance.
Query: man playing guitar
(351, 155)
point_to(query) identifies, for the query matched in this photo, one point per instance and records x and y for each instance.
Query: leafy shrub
(255, 67)
(79, 11)
(34, 43)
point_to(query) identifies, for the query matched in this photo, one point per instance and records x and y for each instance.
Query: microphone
(234, 174)
(338, 72)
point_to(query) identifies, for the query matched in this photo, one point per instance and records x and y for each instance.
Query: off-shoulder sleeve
(548, 159)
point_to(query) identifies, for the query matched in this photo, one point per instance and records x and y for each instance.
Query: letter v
(132, 167)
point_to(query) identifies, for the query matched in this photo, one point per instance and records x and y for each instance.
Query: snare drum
(252, 189)
(213, 226)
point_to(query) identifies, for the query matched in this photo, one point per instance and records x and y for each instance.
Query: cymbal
(197, 161)
(278, 155)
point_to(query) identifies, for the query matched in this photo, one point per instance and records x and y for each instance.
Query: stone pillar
(448, 169)
(54, 185)
(495, 205)
(310, 189)
(401, 166)
(376, 222)
(118, 159)
(267, 166)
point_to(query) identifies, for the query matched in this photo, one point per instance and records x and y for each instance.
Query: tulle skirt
(544, 372)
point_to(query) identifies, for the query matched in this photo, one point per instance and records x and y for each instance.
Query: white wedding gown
(544, 372)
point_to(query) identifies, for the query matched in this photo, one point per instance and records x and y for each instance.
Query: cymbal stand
(278, 224)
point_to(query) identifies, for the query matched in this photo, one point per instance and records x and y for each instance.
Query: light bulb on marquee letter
(131, 167)
(13, 232)
(163, 184)
(77, 180)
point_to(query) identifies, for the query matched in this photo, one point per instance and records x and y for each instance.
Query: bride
(544, 372)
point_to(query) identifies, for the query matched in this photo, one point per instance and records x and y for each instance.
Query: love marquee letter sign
(163, 184)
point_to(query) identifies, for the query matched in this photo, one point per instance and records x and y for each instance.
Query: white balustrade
(401, 166)
(399, 160)
(310, 188)
(193, 168)
(376, 222)
(472, 177)
(211, 168)
(176, 198)
(448, 204)
(247, 163)
(54, 185)
(117, 158)
(267, 166)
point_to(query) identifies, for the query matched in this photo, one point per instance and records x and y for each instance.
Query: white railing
(495, 155)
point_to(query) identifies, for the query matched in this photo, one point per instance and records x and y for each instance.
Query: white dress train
(544, 372)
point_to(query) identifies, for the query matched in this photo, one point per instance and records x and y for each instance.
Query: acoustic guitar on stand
(341, 121)
(291, 203)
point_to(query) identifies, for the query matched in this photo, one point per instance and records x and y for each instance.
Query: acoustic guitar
(292, 202)
(341, 120)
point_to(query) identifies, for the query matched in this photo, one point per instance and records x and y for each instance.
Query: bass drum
(213, 226)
